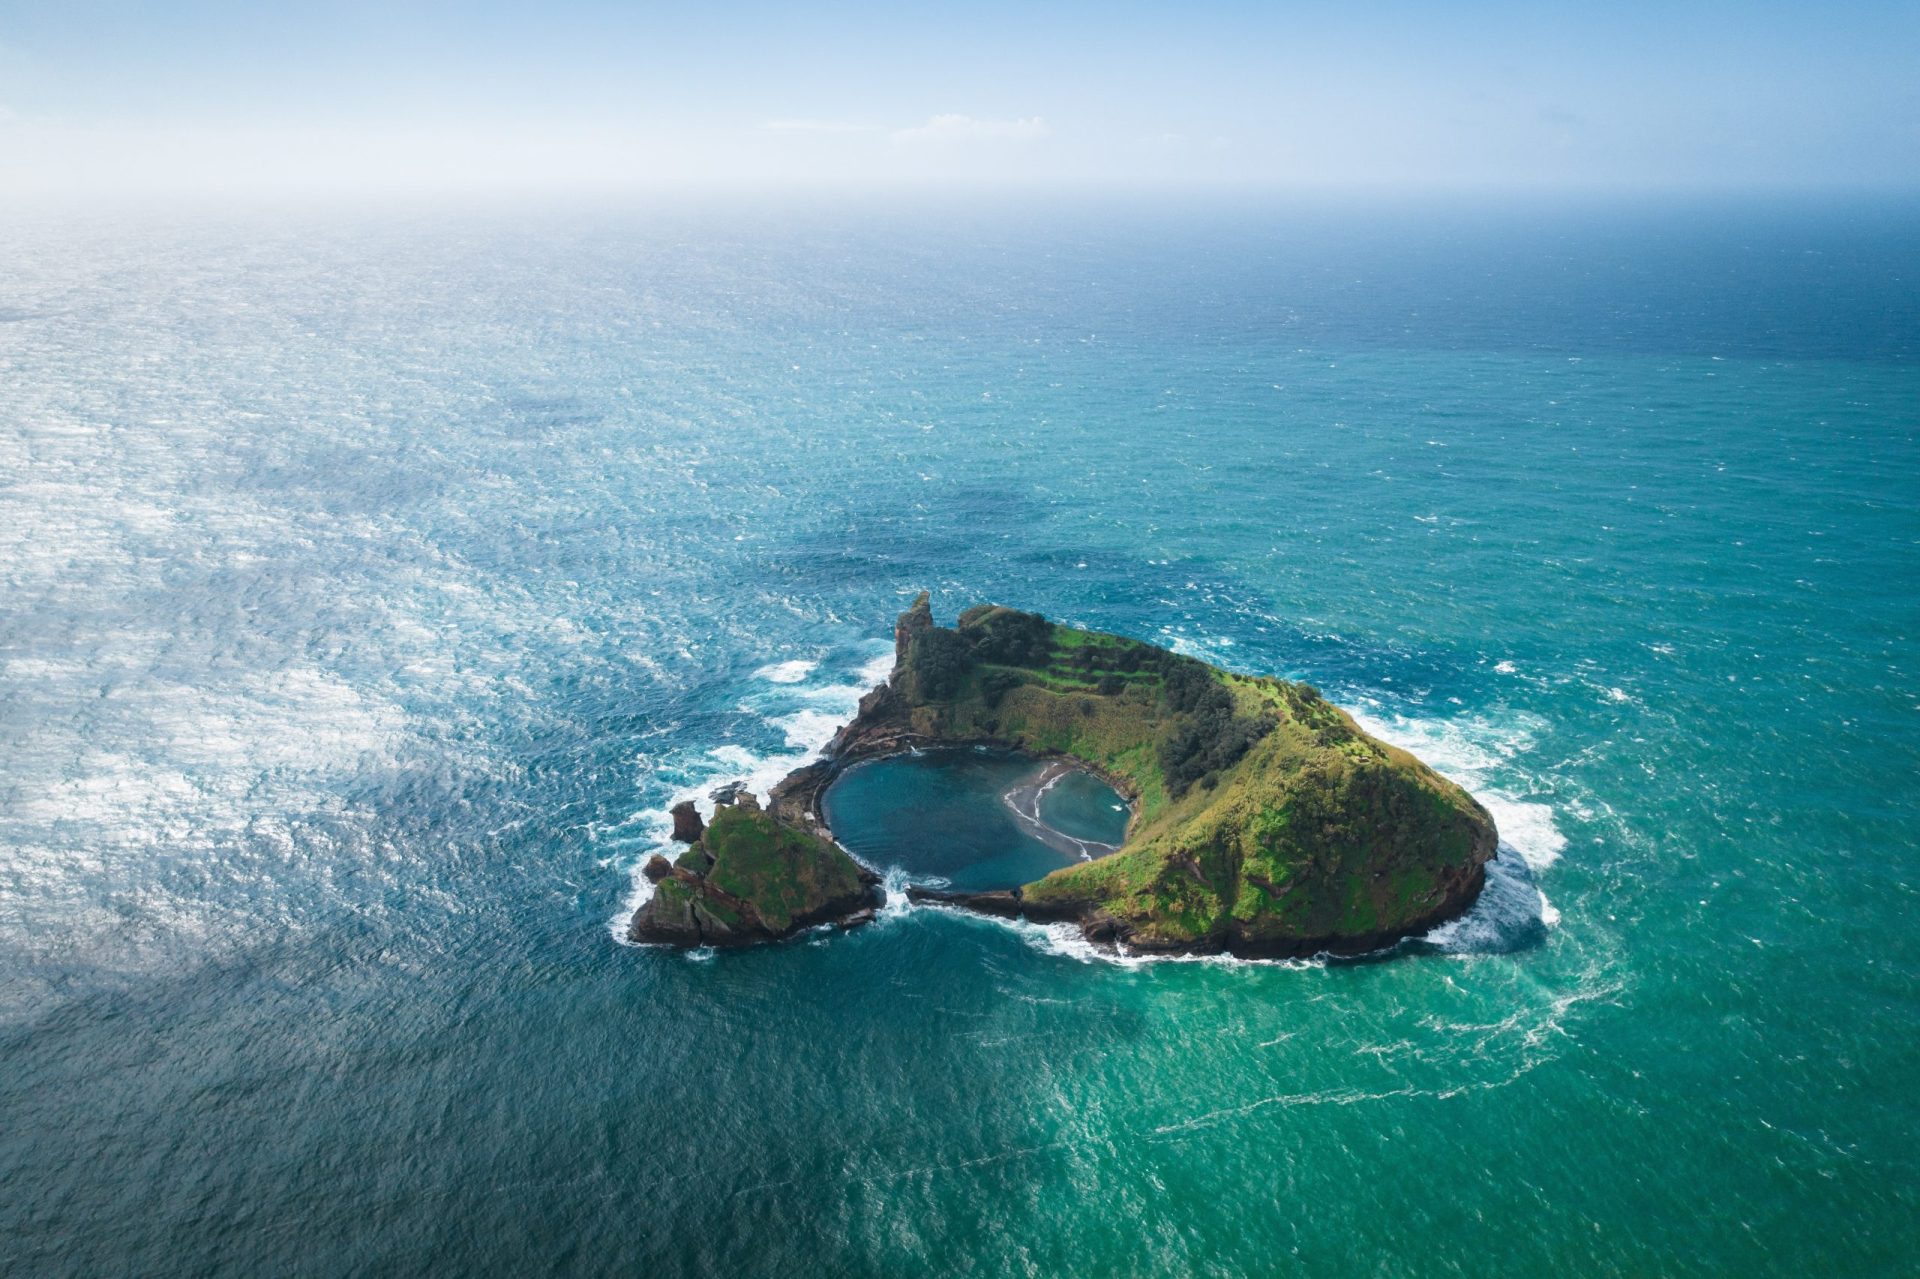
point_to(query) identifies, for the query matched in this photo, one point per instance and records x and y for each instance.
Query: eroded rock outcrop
(687, 825)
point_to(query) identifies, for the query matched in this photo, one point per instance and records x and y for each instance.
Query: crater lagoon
(973, 819)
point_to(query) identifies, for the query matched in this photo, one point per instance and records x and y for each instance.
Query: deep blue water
(373, 585)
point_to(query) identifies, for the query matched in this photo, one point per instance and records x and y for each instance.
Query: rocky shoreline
(1107, 931)
(746, 879)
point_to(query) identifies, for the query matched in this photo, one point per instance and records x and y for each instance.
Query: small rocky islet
(1265, 822)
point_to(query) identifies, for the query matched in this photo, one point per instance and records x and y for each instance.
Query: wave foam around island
(786, 672)
(1481, 753)
(806, 715)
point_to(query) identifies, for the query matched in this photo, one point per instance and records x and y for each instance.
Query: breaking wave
(1483, 753)
(806, 717)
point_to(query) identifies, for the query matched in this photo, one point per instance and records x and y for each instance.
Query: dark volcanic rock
(686, 822)
(1006, 903)
(668, 919)
(657, 868)
(1003, 903)
(796, 799)
(914, 621)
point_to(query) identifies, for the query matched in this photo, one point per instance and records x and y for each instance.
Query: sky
(103, 97)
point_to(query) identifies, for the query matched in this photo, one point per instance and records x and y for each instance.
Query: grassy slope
(1318, 831)
(784, 872)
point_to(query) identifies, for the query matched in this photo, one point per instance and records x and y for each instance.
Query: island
(748, 878)
(1265, 822)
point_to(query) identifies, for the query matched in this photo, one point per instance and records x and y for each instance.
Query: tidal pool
(974, 819)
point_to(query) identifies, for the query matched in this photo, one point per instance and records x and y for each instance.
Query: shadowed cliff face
(917, 620)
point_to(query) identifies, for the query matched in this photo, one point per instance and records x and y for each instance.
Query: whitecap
(792, 672)
(806, 729)
(876, 669)
(1207, 648)
(1478, 752)
(897, 904)
(1510, 914)
(1526, 829)
(1068, 942)
(810, 730)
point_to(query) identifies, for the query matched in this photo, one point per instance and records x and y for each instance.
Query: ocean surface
(371, 584)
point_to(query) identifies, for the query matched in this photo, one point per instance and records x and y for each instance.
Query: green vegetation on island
(1265, 821)
(749, 878)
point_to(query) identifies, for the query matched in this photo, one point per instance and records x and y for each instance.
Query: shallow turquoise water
(373, 587)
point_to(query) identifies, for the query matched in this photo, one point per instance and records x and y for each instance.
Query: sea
(373, 579)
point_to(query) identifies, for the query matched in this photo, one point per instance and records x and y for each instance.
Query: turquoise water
(944, 817)
(1084, 807)
(373, 586)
